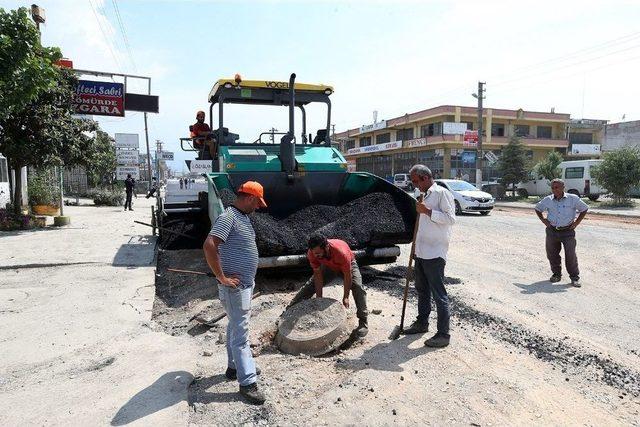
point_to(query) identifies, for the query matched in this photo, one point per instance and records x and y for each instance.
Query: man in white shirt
(436, 214)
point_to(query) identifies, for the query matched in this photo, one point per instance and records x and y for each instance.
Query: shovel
(399, 329)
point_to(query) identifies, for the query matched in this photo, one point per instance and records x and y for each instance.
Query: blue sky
(394, 57)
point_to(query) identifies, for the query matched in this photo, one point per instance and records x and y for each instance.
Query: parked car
(467, 197)
(576, 175)
(402, 180)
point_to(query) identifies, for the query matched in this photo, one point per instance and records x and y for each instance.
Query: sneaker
(576, 283)
(232, 374)
(363, 328)
(416, 328)
(252, 394)
(438, 340)
(555, 278)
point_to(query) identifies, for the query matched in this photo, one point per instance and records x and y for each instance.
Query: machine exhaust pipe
(287, 148)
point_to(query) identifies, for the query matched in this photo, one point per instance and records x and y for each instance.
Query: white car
(467, 197)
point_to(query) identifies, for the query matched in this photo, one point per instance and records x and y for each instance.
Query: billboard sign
(374, 126)
(166, 155)
(127, 157)
(376, 148)
(585, 149)
(414, 143)
(99, 98)
(471, 137)
(122, 171)
(451, 128)
(127, 140)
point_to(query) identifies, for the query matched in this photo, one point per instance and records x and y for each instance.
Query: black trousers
(127, 202)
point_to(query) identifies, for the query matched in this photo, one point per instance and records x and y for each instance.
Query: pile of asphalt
(359, 223)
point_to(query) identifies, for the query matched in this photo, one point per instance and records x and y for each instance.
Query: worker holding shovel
(436, 215)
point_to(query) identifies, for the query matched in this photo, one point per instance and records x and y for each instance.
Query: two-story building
(393, 146)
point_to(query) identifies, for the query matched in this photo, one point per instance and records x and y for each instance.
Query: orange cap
(255, 189)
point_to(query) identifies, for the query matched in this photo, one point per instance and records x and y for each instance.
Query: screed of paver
(313, 327)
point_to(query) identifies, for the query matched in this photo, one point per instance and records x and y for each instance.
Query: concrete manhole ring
(314, 327)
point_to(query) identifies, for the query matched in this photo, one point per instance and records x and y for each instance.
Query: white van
(403, 181)
(576, 175)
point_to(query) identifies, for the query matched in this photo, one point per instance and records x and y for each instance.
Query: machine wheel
(594, 197)
(484, 213)
(522, 192)
(573, 191)
(458, 208)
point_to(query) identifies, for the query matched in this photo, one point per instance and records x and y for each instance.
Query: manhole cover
(314, 327)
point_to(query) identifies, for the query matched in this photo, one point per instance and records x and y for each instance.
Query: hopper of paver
(368, 212)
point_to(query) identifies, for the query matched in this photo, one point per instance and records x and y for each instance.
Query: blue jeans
(430, 281)
(237, 305)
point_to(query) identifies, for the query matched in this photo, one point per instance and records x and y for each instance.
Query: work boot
(576, 283)
(555, 278)
(232, 374)
(438, 340)
(416, 328)
(363, 328)
(252, 394)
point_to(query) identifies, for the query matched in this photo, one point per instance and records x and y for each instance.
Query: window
(521, 130)
(402, 162)
(432, 129)
(4, 171)
(580, 138)
(469, 125)
(404, 134)
(365, 141)
(574, 173)
(497, 129)
(351, 143)
(543, 132)
(364, 164)
(383, 137)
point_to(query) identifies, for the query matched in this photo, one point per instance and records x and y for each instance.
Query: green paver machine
(296, 173)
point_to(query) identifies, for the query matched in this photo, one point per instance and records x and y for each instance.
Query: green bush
(104, 197)
(619, 172)
(41, 191)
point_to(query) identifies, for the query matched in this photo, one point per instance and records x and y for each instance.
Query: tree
(26, 68)
(619, 172)
(44, 133)
(513, 163)
(102, 162)
(548, 167)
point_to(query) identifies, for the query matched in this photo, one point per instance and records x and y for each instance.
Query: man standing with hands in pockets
(436, 214)
(232, 255)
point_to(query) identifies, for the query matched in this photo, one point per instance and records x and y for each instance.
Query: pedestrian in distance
(436, 215)
(129, 187)
(331, 258)
(561, 223)
(232, 254)
(181, 183)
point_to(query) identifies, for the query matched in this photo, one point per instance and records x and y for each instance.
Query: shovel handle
(408, 276)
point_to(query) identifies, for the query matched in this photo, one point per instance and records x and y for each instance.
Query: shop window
(497, 129)
(521, 130)
(383, 138)
(543, 132)
(404, 134)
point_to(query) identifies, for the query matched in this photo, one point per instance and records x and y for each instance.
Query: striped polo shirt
(238, 252)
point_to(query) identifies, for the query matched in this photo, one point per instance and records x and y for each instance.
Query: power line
(104, 34)
(124, 35)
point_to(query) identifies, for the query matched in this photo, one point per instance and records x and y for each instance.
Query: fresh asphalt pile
(362, 222)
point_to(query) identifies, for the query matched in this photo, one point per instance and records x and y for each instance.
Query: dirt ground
(96, 330)
(523, 350)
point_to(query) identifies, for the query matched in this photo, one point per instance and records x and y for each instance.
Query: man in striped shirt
(232, 255)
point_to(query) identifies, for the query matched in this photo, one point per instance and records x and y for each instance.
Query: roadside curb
(598, 212)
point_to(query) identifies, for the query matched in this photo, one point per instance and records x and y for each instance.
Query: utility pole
(271, 137)
(480, 96)
(158, 155)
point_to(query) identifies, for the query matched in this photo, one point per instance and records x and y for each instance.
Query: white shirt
(434, 233)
